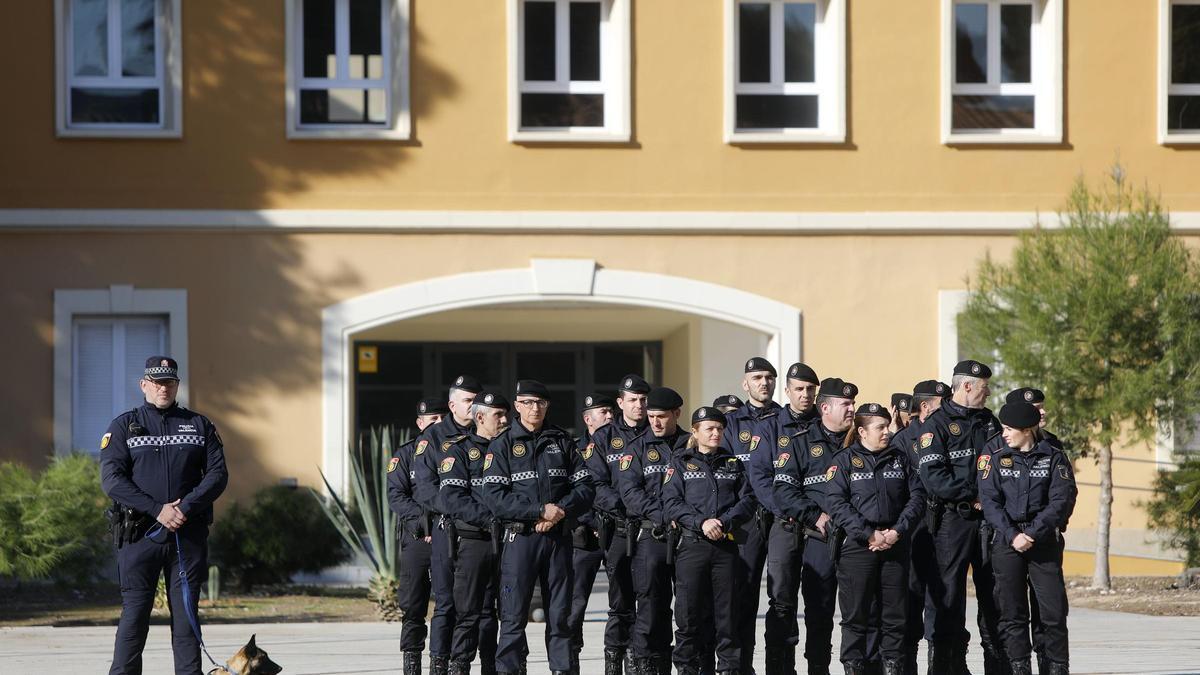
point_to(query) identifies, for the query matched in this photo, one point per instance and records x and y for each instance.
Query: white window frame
(1165, 88)
(395, 80)
(169, 81)
(117, 302)
(1046, 73)
(614, 81)
(829, 43)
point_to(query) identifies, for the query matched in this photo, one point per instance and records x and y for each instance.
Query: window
(348, 69)
(1179, 71)
(785, 71)
(569, 70)
(108, 360)
(1003, 59)
(118, 68)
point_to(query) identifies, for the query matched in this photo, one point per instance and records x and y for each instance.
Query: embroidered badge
(692, 467)
(104, 440)
(587, 452)
(816, 450)
(829, 474)
(1006, 462)
(618, 443)
(744, 436)
(447, 464)
(667, 477)
(857, 462)
(1063, 473)
(954, 428)
(626, 460)
(754, 442)
(519, 450)
(392, 464)
(783, 441)
(487, 461)
(926, 440)
(446, 445)
(783, 460)
(473, 454)
(652, 455)
(421, 447)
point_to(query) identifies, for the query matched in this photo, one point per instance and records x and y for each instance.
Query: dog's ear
(250, 644)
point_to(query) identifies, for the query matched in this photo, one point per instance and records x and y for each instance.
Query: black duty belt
(964, 510)
(467, 531)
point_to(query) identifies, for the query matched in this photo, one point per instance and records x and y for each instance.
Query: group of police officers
(879, 509)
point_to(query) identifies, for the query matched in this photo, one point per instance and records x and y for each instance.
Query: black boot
(994, 663)
(1058, 668)
(893, 667)
(855, 667)
(960, 659)
(662, 663)
(1043, 664)
(708, 664)
(412, 663)
(439, 665)
(815, 668)
(1020, 667)
(910, 664)
(941, 658)
(735, 671)
(642, 665)
(575, 660)
(687, 668)
(613, 661)
(460, 667)
(873, 668)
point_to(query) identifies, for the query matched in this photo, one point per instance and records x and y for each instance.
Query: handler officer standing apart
(161, 462)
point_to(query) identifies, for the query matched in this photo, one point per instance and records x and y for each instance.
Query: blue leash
(187, 595)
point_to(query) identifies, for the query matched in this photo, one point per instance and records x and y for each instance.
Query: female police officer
(1028, 493)
(875, 497)
(704, 491)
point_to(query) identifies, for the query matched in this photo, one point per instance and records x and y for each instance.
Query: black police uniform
(868, 491)
(919, 614)
(415, 523)
(150, 457)
(640, 480)
(950, 442)
(475, 554)
(523, 471)
(709, 575)
(1032, 492)
(587, 558)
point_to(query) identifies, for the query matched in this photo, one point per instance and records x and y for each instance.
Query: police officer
(1028, 493)
(640, 479)
(537, 486)
(747, 428)
(874, 497)
(431, 447)
(613, 442)
(785, 544)
(727, 403)
(951, 440)
(597, 411)
(800, 497)
(706, 493)
(902, 412)
(414, 531)
(164, 466)
(477, 545)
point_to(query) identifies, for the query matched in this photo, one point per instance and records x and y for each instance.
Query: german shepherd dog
(249, 660)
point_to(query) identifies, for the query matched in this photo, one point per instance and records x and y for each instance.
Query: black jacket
(432, 446)
(460, 481)
(699, 487)
(801, 469)
(525, 470)
(950, 441)
(641, 479)
(1032, 492)
(870, 491)
(400, 490)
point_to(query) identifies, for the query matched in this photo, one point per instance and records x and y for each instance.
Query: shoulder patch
(829, 474)
(587, 452)
(744, 436)
(518, 450)
(447, 464)
(667, 477)
(626, 460)
(446, 445)
(782, 460)
(1063, 473)
(783, 441)
(395, 461)
(754, 442)
(104, 440)
(487, 461)
(984, 462)
(618, 443)
(816, 450)
(421, 447)
(926, 440)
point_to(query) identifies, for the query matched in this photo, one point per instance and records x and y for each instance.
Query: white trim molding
(950, 305)
(577, 281)
(114, 301)
(1165, 87)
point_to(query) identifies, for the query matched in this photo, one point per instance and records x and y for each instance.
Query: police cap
(931, 388)
(707, 414)
(492, 399)
(533, 388)
(727, 400)
(592, 401)
(873, 410)
(837, 388)
(1026, 394)
(162, 368)
(800, 371)
(759, 364)
(467, 383)
(1020, 415)
(663, 398)
(902, 402)
(433, 406)
(634, 384)
(973, 368)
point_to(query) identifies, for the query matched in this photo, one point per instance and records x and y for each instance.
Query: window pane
(539, 41)
(89, 28)
(548, 367)
(1183, 113)
(319, 49)
(1015, 48)
(485, 365)
(585, 41)
(970, 43)
(1185, 44)
(92, 383)
(993, 112)
(612, 362)
(343, 106)
(396, 365)
(137, 38)
(754, 42)
(562, 110)
(799, 25)
(366, 39)
(114, 106)
(769, 111)
(563, 411)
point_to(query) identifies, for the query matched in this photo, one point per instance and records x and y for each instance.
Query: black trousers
(1041, 568)
(708, 581)
(476, 586)
(785, 565)
(818, 585)
(753, 554)
(587, 565)
(413, 593)
(527, 560)
(872, 593)
(139, 566)
(621, 596)
(956, 547)
(919, 622)
(441, 574)
(651, 633)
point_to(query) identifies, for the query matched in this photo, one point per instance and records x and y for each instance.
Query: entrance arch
(545, 280)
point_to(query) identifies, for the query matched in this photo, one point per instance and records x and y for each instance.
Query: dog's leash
(193, 620)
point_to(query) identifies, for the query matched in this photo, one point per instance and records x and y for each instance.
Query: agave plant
(377, 542)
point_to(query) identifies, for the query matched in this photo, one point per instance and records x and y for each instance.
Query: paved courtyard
(1101, 642)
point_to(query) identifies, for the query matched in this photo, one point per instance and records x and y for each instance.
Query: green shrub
(52, 525)
(282, 532)
(1175, 508)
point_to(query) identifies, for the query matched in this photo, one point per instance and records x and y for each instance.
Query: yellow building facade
(321, 207)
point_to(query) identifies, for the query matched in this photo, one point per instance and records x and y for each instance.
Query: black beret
(873, 410)
(758, 363)
(467, 383)
(161, 368)
(634, 384)
(931, 388)
(799, 371)
(1027, 394)
(972, 368)
(532, 388)
(1020, 415)
(708, 414)
(598, 401)
(492, 399)
(433, 406)
(902, 402)
(837, 388)
(663, 398)
(727, 400)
